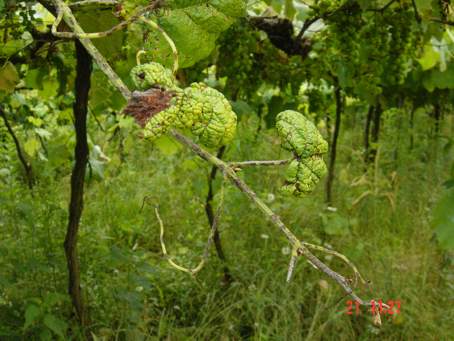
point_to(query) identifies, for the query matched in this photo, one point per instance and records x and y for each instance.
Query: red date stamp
(390, 307)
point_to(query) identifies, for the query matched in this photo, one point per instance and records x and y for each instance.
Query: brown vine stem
(302, 250)
(211, 217)
(81, 152)
(27, 167)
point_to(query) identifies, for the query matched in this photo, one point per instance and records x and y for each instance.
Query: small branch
(96, 35)
(292, 264)
(387, 5)
(382, 9)
(108, 3)
(211, 218)
(302, 250)
(415, 9)
(27, 167)
(308, 23)
(444, 22)
(65, 12)
(259, 163)
(341, 256)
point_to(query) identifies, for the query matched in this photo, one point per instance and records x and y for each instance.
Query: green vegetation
(98, 179)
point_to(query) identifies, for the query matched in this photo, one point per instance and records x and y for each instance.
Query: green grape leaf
(13, 46)
(192, 41)
(443, 220)
(423, 5)
(32, 313)
(241, 108)
(55, 324)
(8, 77)
(429, 58)
(441, 80)
(194, 27)
(167, 146)
(289, 9)
(34, 78)
(31, 146)
(98, 21)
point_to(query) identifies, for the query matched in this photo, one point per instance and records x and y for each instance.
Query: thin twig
(307, 23)
(292, 264)
(242, 164)
(302, 250)
(83, 3)
(341, 256)
(415, 9)
(64, 12)
(211, 217)
(443, 22)
(96, 35)
(27, 167)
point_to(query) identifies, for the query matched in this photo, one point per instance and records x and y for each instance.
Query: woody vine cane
(305, 169)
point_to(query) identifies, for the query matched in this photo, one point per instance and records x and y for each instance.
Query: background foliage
(382, 70)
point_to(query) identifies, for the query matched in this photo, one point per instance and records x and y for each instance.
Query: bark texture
(82, 87)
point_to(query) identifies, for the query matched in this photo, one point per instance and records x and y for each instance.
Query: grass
(134, 295)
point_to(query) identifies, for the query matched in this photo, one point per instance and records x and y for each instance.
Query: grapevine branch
(27, 167)
(108, 3)
(64, 12)
(96, 35)
(301, 248)
(211, 217)
(259, 163)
